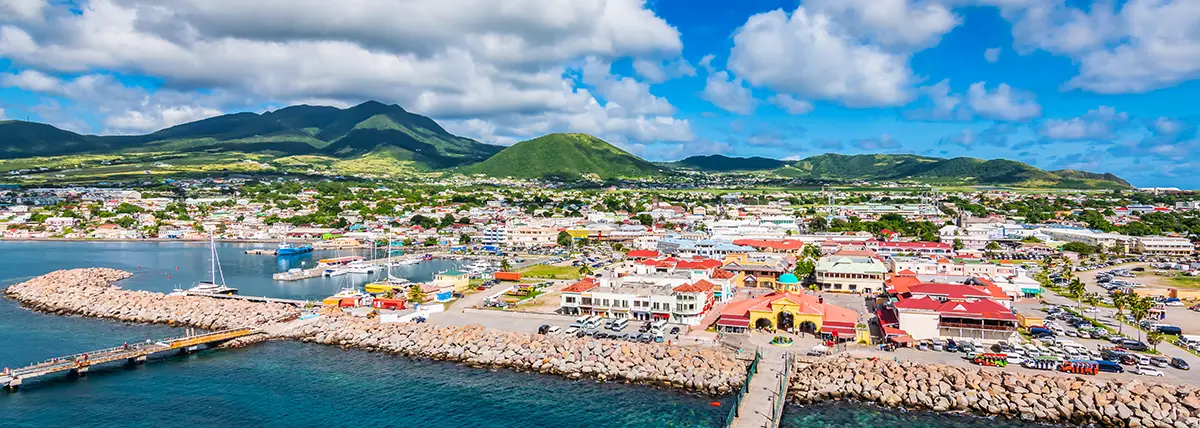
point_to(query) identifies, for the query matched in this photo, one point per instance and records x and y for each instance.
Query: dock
(257, 299)
(760, 402)
(133, 353)
(296, 275)
(261, 252)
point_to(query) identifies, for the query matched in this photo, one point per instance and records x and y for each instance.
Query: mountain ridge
(564, 156)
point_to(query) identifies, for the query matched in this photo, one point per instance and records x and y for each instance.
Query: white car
(1147, 371)
(1015, 359)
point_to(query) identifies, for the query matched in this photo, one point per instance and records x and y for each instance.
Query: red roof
(722, 274)
(785, 244)
(582, 286)
(901, 284)
(952, 291)
(910, 245)
(698, 264)
(919, 303)
(906, 272)
(700, 286)
(642, 254)
(980, 309)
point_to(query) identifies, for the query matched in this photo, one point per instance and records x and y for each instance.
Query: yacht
(479, 267)
(336, 271)
(361, 267)
(391, 283)
(213, 286)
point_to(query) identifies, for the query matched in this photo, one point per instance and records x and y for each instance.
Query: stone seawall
(697, 369)
(1049, 397)
(89, 292)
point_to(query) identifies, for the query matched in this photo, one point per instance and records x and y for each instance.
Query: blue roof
(788, 278)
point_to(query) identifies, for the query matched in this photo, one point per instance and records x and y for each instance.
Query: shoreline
(89, 292)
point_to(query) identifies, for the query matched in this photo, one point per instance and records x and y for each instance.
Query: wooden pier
(293, 302)
(133, 353)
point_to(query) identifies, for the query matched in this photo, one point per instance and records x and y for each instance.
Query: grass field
(1184, 281)
(551, 272)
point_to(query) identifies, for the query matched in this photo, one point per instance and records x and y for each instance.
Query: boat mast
(212, 256)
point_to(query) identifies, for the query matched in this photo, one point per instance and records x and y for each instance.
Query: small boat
(339, 261)
(361, 267)
(286, 249)
(213, 286)
(336, 271)
(395, 284)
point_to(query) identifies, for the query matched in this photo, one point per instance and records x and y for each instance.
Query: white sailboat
(392, 283)
(214, 287)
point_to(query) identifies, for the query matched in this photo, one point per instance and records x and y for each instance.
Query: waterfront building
(927, 317)
(676, 298)
(797, 312)
(851, 272)
(452, 279)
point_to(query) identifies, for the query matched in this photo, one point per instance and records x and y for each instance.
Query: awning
(891, 331)
(842, 332)
(1032, 290)
(734, 322)
(901, 340)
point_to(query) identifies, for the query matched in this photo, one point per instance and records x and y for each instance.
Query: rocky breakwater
(1049, 397)
(697, 369)
(90, 292)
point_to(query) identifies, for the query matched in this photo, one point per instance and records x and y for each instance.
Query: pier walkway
(293, 302)
(761, 406)
(133, 353)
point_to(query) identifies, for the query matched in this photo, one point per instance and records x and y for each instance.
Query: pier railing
(781, 397)
(737, 401)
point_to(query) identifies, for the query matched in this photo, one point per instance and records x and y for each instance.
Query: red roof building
(799, 312)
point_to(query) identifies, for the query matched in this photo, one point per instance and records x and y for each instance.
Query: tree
(818, 224)
(957, 245)
(805, 268)
(1154, 337)
(1079, 247)
(1091, 299)
(1139, 309)
(415, 294)
(1121, 301)
(810, 252)
(1076, 288)
(992, 246)
(564, 239)
(645, 219)
(126, 222)
(128, 208)
(464, 239)
(431, 241)
(505, 265)
(585, 270)
(447, 220)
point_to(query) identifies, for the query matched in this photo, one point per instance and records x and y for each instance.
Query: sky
(1103, 86)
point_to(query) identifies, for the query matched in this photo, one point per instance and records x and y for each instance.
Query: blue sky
(1099, 86)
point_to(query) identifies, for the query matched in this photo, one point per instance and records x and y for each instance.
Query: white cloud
(1004, 103)
(1098, 124)
(1145, 45)
(902, 24)
(451, 59)
(633, 96)
(814, 55)
(728, 94)
(790, 104)
(706, 62)
(2, 115)
(884, 142)
(938, 103)
(659, 71)
(21, 10)
(992, 54)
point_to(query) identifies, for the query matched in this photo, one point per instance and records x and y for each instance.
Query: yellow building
(796, 312)
(457, 280)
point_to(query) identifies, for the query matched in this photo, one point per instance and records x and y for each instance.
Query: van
(1169, 329)
(1109, 366)
(937, 344)
(1041, 332)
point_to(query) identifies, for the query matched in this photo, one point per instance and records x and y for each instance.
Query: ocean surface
(290, 384)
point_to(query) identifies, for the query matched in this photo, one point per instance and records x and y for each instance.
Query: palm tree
(1139, 309)
(415, 294)
(1091, 299)
(585, 270)
(1076, 289)
(1154, 338)
(1120, 302)
(505, 265)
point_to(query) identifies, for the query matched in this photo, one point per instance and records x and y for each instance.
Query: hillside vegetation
(564, 156)
(961, 170)
(722, 163)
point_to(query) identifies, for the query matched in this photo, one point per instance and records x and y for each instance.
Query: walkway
(762, 404)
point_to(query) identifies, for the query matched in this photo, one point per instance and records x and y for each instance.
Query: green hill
(565, 156)
(961, 170)
(722, 163)
(367, 128)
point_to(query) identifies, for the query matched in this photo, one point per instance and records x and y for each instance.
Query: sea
(291, 384)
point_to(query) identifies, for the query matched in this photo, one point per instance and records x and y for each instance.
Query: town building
(896, 248)
(795, 312)
(759, 269)
(850, 272)
(1164, 246)
(675, 298)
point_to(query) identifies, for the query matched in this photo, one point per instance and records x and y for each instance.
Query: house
(798, 312)
(672, 298)
(851, 272)
(927, 317)
(453, 279)
(759, 269)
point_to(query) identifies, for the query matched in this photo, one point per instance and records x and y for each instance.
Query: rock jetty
(697, 369)
(1049, 397)
(90, 292)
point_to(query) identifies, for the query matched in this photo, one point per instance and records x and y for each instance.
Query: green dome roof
(788, 278)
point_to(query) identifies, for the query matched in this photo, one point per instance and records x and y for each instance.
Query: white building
(1164, 245)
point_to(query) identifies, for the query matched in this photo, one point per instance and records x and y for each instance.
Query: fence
(781, 397)
(737, 401)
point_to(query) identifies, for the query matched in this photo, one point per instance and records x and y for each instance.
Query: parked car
(1179, 363)
(674, 330)
(1109, 366)
(1147, 371)
(543, 329)
(1134, 345)
(951, 346)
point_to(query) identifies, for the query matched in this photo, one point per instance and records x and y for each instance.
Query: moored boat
(286, 249)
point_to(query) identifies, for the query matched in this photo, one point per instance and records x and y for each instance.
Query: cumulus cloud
(632, 96)
(729, 93)
(1143, 45)
(2, 115)
(812, 54)
(1003, 103)
(790, 104)
(937, 103)
(21, 10)
(996, 135)
(1097, 124)
(660, 71)
(451, 59)
(992, 55)
(828, 144)
(884, 142)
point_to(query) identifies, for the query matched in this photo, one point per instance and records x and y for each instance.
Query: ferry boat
(286, 249)
(214, 287)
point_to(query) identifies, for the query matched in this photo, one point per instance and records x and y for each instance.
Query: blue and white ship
(286, 249)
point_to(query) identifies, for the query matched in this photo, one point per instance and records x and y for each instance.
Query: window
(570, 299)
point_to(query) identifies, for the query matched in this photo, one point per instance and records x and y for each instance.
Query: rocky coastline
(90, 292)
(1049, 397)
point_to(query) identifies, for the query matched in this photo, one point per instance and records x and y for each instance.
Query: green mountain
(722, 163)
(565, 156)
(961, 170)
(371, 127)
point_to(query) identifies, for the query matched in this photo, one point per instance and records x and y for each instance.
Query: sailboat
(214, 287)
(392, 283)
